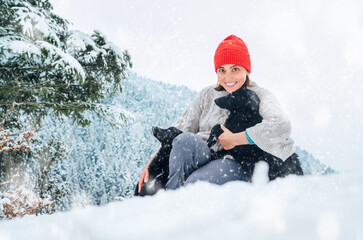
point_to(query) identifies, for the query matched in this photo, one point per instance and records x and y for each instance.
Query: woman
(190, 159)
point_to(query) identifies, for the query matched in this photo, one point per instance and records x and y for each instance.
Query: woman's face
(231, 76)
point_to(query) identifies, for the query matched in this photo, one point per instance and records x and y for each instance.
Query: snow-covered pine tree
(48, 70)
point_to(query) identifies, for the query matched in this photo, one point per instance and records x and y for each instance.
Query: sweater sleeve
(273, 133)
(189, 121)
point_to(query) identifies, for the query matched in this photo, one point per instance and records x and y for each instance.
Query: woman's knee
(186, 138)
(189, 149)
(181, 146)
(189, 144)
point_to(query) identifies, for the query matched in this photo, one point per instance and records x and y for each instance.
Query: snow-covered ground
(308, 207)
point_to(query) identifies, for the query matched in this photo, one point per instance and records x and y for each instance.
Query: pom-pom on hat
(232, 50)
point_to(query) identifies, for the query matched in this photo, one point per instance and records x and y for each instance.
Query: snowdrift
(308, 207)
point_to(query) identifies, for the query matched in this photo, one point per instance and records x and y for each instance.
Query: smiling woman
(233, 75)
(190, 156)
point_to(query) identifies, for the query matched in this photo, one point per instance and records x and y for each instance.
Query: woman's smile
(231, 84)
(231, 76)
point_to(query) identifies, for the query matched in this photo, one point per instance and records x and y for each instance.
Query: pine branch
(55, 106)
(5, 104)
(12, 68)
(27, 87)
(13, 104)
(50, 105)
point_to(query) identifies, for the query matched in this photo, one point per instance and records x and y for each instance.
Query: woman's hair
(247, 83)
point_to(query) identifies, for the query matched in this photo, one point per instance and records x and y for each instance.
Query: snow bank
(309, 207)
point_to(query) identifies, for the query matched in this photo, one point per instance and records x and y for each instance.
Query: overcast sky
(309, 53)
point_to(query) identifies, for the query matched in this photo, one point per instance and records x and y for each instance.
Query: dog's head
(166, 136)
(240, 100)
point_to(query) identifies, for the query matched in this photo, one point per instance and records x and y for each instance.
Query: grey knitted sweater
(271, 135)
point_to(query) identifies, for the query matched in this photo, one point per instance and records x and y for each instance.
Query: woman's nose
(228, 76)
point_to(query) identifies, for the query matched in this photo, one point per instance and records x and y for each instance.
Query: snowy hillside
(102, 162)
(309, 207)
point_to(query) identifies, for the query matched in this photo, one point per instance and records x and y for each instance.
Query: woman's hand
(229, 140)
(144, 177)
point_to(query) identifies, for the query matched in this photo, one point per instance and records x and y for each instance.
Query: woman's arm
(144, 176)
(273, 133)
(189, 121)
(229, 140)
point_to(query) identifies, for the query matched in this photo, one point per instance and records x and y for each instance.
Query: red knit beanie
(232, 50)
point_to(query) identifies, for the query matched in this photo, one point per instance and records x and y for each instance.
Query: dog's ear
(248, 100)
(158, 133)
(173, 132)
(166, 135)
(242, 99)
(224, 102)
(245, 99)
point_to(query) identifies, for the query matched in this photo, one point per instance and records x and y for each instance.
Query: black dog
(243, 105)
(159, 167)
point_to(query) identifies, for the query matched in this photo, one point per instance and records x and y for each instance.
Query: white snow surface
(308, 207)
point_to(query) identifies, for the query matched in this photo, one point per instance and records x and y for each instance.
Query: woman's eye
(221, 70)
(235, 69)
